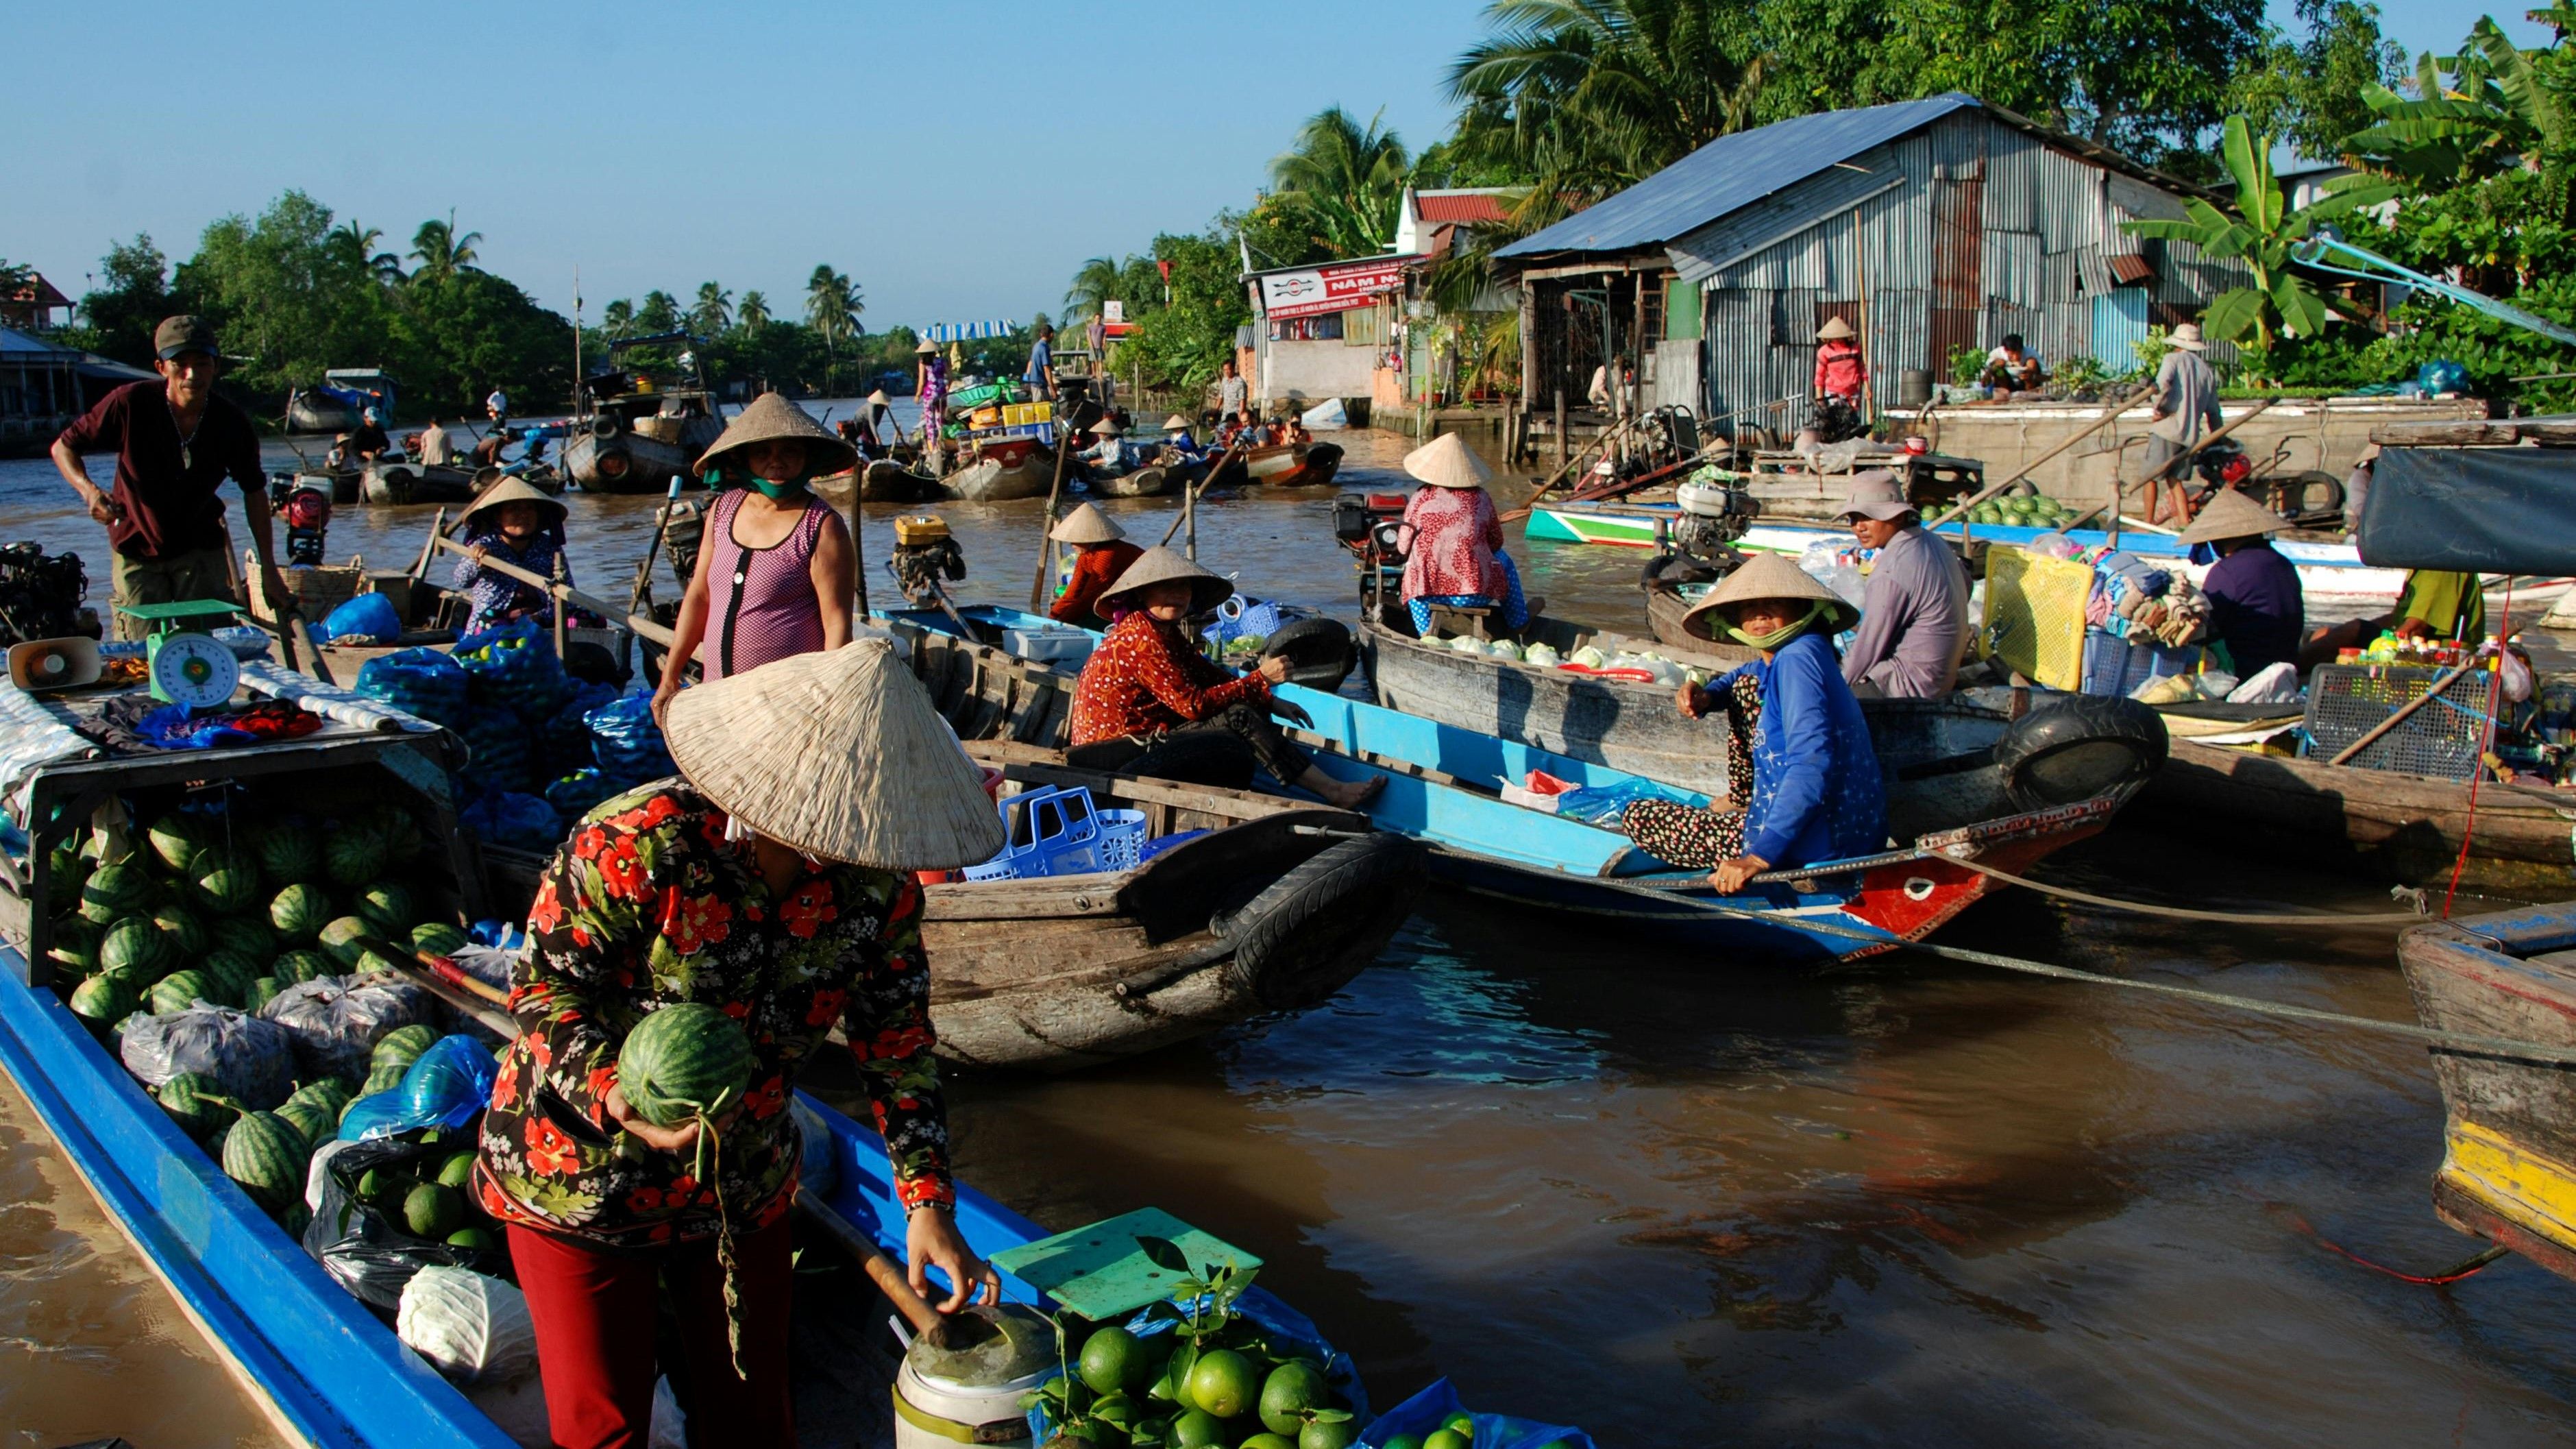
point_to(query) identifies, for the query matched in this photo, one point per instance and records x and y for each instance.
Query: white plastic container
(931, 1412)
(1050, 644)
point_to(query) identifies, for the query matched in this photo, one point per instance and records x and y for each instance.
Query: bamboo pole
(1192, 496)
(642, 625)
(2110, 414)
(1046, 534)
(1603, 443)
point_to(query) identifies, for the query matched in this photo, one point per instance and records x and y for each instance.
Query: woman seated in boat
(772, 880)
(782, 554)
(1106, 457)
(1291, 429)
(510, 523)
(1150, 704)
(1101, 553)
(1452, 540)
(1802, 778)
(2255, 607)
(1176, 436)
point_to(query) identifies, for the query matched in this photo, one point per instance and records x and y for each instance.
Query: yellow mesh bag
(2035, 615)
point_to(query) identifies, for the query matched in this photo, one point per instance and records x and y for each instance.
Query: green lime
(1328, 1434)
(1269, 1441)
(1291, 1390)
(432, 1211)
(479, 1238)
(457, 1170)
(1197, 1429)
(1110, 1359)
(1223, 1383)
(1449, 1439)
(1461, 1425)
(1402, 1441)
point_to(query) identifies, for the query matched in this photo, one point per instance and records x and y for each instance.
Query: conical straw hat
(1445, 462)
(2231, 515)
(880, 399)
(1765, 576)
(1087, 525)
(840, 754)
(772, 418)
(1834, 327)
(1105, 428)
(1160, 564)
(925, 348)
(516, 490)
(1175, 422)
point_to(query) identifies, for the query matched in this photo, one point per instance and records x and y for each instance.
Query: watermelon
(295, 966)
(66, 873)
(403, 1045)
(267, 1155)
(173, 993)
(288, 855)
(683, 1061)
(176, 839)
(373, 963)
(248, 934)
(230, 970)
(137, 946)
(438, 938)
(186, 932)
(115, 890)
(104, 1000)
(340, 939)
(315, 1120)
(354, 857)
(74, 950)
(387, 910)
(330, 1092)
(263, 990)
(192, 1101)
(383, 1077)
(226, 889)
(299, 913)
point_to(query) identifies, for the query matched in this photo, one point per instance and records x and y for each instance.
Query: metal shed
(1940, 224)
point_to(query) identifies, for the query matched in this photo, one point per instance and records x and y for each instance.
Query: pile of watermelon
(205, 907)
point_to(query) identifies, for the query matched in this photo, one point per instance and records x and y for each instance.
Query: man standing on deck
(436, 448)
(1232, 392)
(1040, 374)
(175, 444)
(1914, 610)
(2186, 410)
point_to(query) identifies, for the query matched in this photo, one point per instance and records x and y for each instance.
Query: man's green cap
(184, 334)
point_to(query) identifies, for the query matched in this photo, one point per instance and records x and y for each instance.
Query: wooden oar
(645, 627)
(642, 588)
(1063, 450)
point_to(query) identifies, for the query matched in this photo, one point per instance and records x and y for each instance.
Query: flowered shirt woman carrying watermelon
(772, 881)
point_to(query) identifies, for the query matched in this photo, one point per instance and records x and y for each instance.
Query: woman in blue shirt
(1802, 777)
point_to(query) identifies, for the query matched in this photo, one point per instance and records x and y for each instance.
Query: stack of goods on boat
(1005, 438)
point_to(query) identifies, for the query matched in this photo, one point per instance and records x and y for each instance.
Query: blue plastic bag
(1283, 1324)
(2440, 376)
(515, 822)
(576, 794)
(628, 742)
(1604, 805)
(448, 1086)
(513, 666)
(367, 618)
(420, 682)
(1433, 1407)
(499, 934)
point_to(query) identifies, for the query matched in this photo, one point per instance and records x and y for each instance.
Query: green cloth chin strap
(1781, 635)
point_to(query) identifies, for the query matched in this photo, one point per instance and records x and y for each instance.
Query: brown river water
(1673, 1199)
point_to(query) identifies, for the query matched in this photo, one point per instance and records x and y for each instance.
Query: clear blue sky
(959, 160)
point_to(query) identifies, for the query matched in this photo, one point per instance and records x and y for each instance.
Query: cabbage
(1504, 649)
(1590, 657)
(1465, 645)
(1542, 655)
(470, 1327)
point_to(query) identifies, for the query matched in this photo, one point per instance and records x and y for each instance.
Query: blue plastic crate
(2117, 666)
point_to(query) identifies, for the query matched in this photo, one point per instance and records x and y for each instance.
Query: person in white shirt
(497, 407)
(436, 449)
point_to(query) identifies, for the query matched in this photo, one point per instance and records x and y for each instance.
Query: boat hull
(993, 481)
(407, 483)
(1147, 482)
(624, 463)
(1292, 465)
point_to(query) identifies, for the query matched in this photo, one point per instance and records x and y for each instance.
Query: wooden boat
(608, 457)
(2508, 1171)
(1146, 482)
(1949, 762)
(2381, 823)
(886, 481)
(402, 483)
(990, 480)
(1292, 465)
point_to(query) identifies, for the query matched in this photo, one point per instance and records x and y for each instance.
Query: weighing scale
(185, 663)
(1118, 1266)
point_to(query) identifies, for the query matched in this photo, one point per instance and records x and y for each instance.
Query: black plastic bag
(370, 1254)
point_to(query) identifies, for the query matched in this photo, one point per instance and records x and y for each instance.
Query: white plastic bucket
(937, 1413)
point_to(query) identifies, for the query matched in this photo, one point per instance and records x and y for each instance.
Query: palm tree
(832, 308)
(1349, 178)
(355, 245)
(440, 251)
(753, 314)
(714, 312)
(617, 317)
(660, 312)
(1096, 282)
(1598, 94)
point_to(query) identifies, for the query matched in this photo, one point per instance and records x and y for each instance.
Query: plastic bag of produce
(334, 1022)
(575, 794)
(627, 742)
(368, 1247)
(513, 666)
(564, 739)
(249, 1060)
(471, 1328)
(1436, 1405)
(446, 1086)
(421, 682)
(366, 618)
(1604, 805)
(514, 821)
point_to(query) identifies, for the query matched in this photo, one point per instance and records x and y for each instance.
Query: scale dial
(195, 670)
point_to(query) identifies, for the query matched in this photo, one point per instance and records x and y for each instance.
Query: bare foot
(1356, 793)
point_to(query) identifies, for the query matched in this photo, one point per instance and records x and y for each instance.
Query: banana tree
(2280, 303)
(2493, 113)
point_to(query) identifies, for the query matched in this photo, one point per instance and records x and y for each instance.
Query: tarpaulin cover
(2482, 510)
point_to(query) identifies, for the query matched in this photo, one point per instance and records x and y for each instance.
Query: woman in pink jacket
(1452, 539)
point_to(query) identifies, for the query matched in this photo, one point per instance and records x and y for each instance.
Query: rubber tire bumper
(2078, 747)
(1291, 940)
(1320, 652)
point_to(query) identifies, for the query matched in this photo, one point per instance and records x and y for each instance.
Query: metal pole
(1860, 272)
(1560, 427)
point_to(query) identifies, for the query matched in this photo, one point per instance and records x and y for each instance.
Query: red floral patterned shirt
(648, 905)
(1449, 537)
(1143, 679)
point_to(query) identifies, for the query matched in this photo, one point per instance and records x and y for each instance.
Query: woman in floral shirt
(1149, 703)
(741, 885)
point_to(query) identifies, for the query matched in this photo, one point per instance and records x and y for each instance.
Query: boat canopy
(2486, 510)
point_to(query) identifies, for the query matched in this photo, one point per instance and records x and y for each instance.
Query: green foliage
(1182, 344)
(283, 296)
(2309, 91)
(1348, 179)
(1967, 363)
(117, 318)
(2490, 109)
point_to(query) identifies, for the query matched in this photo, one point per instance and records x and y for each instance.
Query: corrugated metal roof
(1732, 172)
(1482, 205)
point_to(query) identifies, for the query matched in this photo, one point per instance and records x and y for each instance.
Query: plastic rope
(2486, 742)
(2184, 913)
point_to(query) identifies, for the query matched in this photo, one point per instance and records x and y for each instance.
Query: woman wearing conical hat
(1101, 553)
(2255, 606)
(1150, 704)
(510, 523)
(771, 879)
(1452, 540)
(1802, 780)
(774, 574)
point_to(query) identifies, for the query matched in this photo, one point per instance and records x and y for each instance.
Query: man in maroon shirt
(175, 444)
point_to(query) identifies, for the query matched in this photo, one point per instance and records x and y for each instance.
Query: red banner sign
(1329, 289)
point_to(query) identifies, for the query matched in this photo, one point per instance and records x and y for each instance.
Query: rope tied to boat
(2185, 913)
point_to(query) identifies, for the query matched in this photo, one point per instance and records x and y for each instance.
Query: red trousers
(593, 1312)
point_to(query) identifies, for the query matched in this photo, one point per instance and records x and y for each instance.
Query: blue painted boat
(1444, 787)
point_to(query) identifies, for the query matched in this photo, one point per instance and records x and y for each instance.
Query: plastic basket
(1058, 831)
(2442, 740)
(2117, 666)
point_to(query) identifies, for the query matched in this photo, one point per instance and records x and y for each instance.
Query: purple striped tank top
(763, 602)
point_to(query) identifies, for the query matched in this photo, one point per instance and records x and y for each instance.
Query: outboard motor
(307, 511)
(924, 560)
(40, 595)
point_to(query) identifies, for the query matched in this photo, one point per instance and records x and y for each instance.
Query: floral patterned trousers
(1691, 836)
